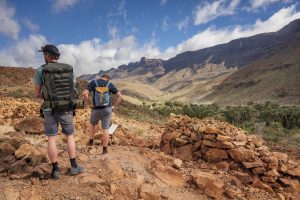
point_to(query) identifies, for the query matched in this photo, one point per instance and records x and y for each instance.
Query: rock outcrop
(237, 152)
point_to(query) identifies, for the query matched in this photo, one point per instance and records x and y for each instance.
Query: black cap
(51, 49)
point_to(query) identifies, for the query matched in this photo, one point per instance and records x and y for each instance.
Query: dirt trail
(136, 168)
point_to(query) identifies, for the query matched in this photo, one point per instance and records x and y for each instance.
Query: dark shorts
(103, 114)
(65, 119)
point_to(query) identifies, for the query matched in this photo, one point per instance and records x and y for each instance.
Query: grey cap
(51, 49)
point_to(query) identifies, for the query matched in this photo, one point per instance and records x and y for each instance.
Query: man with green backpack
(102, 106)
(54, 82)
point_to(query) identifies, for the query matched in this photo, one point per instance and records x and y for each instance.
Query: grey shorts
(103, 114)
(65, 119)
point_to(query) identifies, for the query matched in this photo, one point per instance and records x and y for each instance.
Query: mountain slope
(194, 76)
(274, 78)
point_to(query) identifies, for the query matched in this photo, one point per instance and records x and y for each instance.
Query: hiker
(54, 82)
(101, 108)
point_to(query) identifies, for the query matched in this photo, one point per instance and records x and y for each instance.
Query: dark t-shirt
(101, 83)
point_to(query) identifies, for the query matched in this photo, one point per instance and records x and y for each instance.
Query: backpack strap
(96, 83)
(108, 84)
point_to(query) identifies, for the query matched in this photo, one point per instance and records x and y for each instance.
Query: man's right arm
(86, 98)
(37, 91)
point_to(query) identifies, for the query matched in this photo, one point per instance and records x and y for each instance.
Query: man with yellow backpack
(101, 90)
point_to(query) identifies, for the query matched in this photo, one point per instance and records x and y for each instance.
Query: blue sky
(100, 34)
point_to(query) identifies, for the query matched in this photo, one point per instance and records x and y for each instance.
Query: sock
(73, 162)
(55, 167)
(91, 141)
(104, 150)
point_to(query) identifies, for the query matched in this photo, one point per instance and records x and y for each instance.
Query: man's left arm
(38, 81)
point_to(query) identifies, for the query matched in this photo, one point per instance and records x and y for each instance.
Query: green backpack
(58, 86)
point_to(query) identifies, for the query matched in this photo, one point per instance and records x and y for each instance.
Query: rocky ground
(184, 159)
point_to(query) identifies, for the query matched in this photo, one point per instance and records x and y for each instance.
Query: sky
(94, 35)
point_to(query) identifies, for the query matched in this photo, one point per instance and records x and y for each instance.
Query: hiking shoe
(76, 170)
(55, 174)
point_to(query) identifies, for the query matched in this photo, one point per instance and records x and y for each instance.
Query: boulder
(258, 184)
(283, 168)
(177, 163)
(201, 128)
(240, 136)
(6, 149)
(195, 137)
(210, 137)
(223, 138)
(239, 143)
(223, 166)
(168, 136)
(42, 171)
(272, 173)
(32, 124)
(89, 179)
(280, 156)
(218, 144)
(14, 141)
(209, 183)
(272, 162)
(178, 142)
(25, 150)
(112, 169)
(241, 154)
(216, 154)
(241, 176)
(257, 141)
(184, 152)
(149, 192)
(269, 179)
(290, 183)
(197, 145)
(6, 129)
(211, 130)
(250, 165)
(169, 175)
(258, 170)
(295, 171)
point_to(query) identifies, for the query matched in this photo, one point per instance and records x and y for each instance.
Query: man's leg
(67, 125)
(71, 146)
(51, 132)
(105, 121)
(52, 152)
(94, 119)
(105, 140)
(52, 149)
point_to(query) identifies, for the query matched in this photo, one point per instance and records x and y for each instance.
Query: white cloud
(261, 3)
(60, 5)
(9, 26)
(213, 36)
(29, 25)
(211, 10)
(183, 24)
(24, 53)
(165, 24)
(163, 2)
(90, 56)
